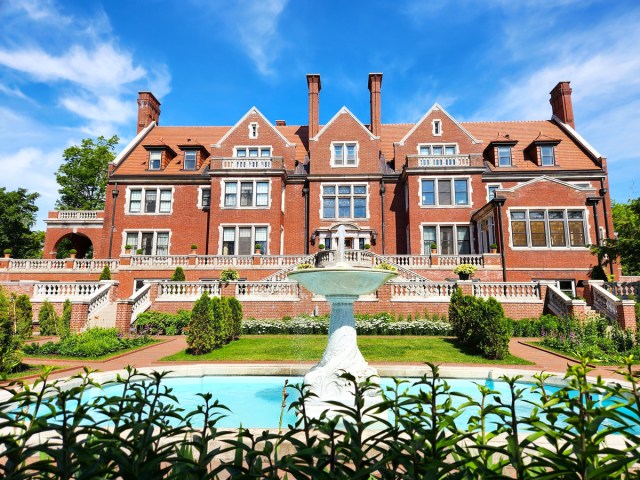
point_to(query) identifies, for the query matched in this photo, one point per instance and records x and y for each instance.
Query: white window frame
(436, 127)
(548, 246)
(253, 129)
(499, 164)
(245, 148)
(436, 204)
(144, 189)
(139, 232)
(553, 155)
(351, 195)
(344, 159)
(238, 182)
(492, 185)
(201, 206)
(151, 153)
(444, 146)
(237, 227)
(455, 225)
(184, 160)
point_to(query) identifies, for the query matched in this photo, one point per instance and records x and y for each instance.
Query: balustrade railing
(186, 290)
(99, 299)
(410, 261)
(159, 261)
(140, 301)
(453, 260)
(557, 301)
(78, 214)
(247, 163)
(224, 261)
(604, 302)
(442, 160)
(624, 289)
(268, 290)
(63, 290)
(37, 264)
(422, 290)
(95, 265)
(514, 291)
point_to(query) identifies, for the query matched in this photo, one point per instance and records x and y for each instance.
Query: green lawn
(374, 349)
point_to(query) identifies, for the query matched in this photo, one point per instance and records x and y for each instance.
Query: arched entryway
(77, 241)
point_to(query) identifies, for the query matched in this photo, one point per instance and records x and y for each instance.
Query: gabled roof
(548, 179)
(576, 136)
(342, 111)
(133, 143)
(244, 117)
(434, 108)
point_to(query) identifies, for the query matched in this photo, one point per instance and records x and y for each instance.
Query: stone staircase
(104, 317)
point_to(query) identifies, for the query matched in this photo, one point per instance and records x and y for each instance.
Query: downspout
(114, 194)
(603, 194)
(206, 242)
(500, 201)
(594, 204)
(305, 194)
(382, 230)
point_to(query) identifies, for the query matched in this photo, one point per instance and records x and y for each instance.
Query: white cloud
(12, 92)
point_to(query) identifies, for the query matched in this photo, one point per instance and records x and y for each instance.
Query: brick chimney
(375, 83)
(561, 103)
(148, 110)
(313, 82)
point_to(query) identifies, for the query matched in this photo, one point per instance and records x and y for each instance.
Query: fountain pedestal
(341, 286)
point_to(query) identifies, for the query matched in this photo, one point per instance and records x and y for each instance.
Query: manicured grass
(25, 370)
(101, 357)
(374, 348)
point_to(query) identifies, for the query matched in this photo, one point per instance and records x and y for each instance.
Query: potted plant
(127, 249)
(7, 252)
(194, 249)
(139, 251)
(367, 246)
(258, 249)
(434, 248)
(494, 248)
(228, 274)
(464, 271)
(72, 253)
(321, 246)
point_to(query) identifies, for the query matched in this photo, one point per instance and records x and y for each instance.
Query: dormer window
(504, 156)
(253, 130)
(344, 154)
(436, 126)
(155, 159)
(547, 156)
(190, 159)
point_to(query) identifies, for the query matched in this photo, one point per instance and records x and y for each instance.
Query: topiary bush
(64, 322)
(10, 356)
(217, 322)
(106, 273)
(201, 337)
(178, 275)
(236, 317)
(162, 323)
(493, 338)
(48, 319)
(23, 315)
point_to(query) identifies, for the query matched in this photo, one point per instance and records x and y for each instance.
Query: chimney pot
(148, 110)
(281, 123)
(561, 105)
(314, 86)
(375, 84)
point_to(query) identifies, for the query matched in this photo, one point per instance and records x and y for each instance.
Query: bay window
(548, 228)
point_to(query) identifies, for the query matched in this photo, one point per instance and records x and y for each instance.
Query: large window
(444, 191)
(155, 159)
(344, 201)
(150, 200)
(253, 152)
(504, 156)
(242, 240)
(151, 243)
(252, 193)
(548, 228)
(344, 154)
(450, 239)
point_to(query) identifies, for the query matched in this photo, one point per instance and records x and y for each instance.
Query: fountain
(341, 285)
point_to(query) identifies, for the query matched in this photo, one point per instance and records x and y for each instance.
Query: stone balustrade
(557, 301)
(453, 260)
(186, 290)
(407, 291)
(624, 289)
(604, 301)
(78, 214)
(272, 291)
(95, 265)
(508, 292)
(171, 261)
(64, 290)
(99, 299)
(140, 301)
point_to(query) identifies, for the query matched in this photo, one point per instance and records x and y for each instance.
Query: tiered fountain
(341, 284)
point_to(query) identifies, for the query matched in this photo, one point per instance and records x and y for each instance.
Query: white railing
(160, 261)
(624, 289)
(78, 214)
(453, 260)
(95, 265)
(224, 261)
(604, 302)
(37, 264)
(281, 275)
(63, 290)
(514, 291)
(99, 299)
(404, 274)
(141, 301)
(247, 163)
(557, 301)
(411, 261)
(284, 260)
(442, 160)
(423, 290)
(186, 290)
(268, 290)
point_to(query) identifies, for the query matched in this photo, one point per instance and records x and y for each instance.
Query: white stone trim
(133, 143)
(437, 108)
(252, 110)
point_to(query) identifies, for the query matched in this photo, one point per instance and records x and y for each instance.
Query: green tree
(17, 217)
(48, 319)
(106, 273)
(178, 275)
(9, 343)
(83, 174)
(218, 324)
(236, 312)
(626, 223)
(201, 336)
(22, 313)
(64, 322)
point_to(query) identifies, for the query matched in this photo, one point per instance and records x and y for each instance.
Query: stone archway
(78, 241)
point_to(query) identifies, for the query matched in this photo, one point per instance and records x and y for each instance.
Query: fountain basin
(341, 281)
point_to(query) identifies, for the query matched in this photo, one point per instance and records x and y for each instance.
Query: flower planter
(464, 276)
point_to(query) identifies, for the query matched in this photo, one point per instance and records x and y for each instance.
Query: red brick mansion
(520, 200)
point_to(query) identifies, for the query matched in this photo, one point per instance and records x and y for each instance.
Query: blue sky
(72, 69)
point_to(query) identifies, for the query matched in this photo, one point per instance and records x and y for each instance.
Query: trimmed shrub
(178, 275)
(161, 323)
(105, 274)
(532, 327)
(236, 316)
(217, 321)
(9, 344)
(64, 322)
(463, 316)
(48, 319)
(493, 340)
(23, 316)
(227, 321)
(201, 337)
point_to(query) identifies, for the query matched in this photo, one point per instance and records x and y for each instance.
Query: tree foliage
(83, 175)
(17, 217)
(48, 319)
(178, 275)
(626, 223)
(22, 313)
(9, 342)
(201, 336)
(106, 273)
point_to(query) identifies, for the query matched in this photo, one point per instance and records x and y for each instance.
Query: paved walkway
(151, 355)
